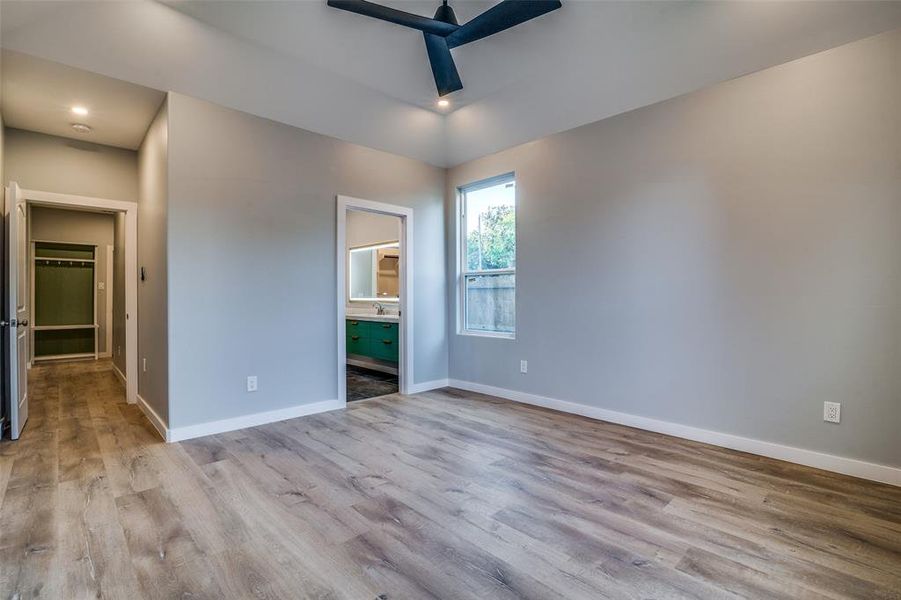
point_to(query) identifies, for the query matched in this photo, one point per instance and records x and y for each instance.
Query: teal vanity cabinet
(357, 337)
(373, 339)
(383, 341)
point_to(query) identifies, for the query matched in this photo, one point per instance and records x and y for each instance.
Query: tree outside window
(488, 215)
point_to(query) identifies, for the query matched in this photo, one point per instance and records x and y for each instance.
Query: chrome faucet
(379, 309)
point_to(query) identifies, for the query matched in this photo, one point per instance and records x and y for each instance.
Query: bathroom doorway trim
(405, 352)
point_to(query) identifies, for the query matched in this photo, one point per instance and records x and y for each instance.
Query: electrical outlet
(101, 285)
(523, 366)
(251, 383)
(832, 412)
(144, 365)
(119, 350)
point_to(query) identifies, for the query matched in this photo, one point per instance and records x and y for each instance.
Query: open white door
(16, 318)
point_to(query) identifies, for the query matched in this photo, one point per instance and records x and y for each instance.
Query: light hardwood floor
(441, 495)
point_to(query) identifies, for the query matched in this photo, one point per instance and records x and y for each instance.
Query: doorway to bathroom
(374, 280)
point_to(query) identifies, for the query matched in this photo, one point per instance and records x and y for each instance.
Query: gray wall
(726, 260)
(252, 216)
(153, 332)
(51, 224)
(54, 164)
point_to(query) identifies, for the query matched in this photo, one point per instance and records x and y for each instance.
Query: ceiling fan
(443, 33)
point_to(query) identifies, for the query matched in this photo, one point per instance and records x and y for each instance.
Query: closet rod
(61, 259)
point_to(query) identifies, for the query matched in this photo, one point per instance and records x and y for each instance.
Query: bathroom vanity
(373, 336)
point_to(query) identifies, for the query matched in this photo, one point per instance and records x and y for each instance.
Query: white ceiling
(379, 55)
(369, 82)
(38, 95)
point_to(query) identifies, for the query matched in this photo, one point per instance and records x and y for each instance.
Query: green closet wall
(63, 297)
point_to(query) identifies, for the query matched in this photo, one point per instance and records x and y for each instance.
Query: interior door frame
(109, 285)
(405, 352)
(130, 209)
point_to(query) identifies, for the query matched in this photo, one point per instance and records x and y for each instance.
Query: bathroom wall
(364, 229)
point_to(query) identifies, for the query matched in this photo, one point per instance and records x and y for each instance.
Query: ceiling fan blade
(370, 9)
(447, 79)
(505, 15)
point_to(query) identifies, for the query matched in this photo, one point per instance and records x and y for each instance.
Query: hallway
(82, 447)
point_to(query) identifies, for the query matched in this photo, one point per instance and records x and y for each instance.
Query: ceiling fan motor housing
(446, 14)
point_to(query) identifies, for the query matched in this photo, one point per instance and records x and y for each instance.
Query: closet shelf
(63, 327)
(65, 356)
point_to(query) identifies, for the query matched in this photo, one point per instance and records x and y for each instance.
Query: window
(488, 257)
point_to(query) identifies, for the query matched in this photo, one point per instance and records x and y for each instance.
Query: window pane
(490, 302)
(490, 235)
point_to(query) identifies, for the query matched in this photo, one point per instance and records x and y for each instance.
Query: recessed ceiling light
(82, 128)
(81, 111)
(443, 103)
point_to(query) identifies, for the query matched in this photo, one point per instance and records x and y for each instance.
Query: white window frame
(463, 272)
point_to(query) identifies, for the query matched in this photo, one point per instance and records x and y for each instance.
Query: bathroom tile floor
(365, 383)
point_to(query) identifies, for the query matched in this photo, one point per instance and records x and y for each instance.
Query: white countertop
(371, 317)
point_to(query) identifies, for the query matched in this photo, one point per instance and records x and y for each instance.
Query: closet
(64, 301)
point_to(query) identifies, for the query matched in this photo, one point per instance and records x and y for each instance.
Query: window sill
(488, 334)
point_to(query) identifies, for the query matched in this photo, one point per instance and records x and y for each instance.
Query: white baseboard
(417, 388)
(188, 432)
(118, 374)
(154, 418)
(810, 458)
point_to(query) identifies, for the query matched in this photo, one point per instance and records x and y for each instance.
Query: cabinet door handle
(386, 341)
(354, 322)
(354, 337)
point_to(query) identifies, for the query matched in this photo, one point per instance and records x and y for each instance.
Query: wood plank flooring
(446, 495)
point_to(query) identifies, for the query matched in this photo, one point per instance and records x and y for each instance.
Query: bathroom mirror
(373, 273)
